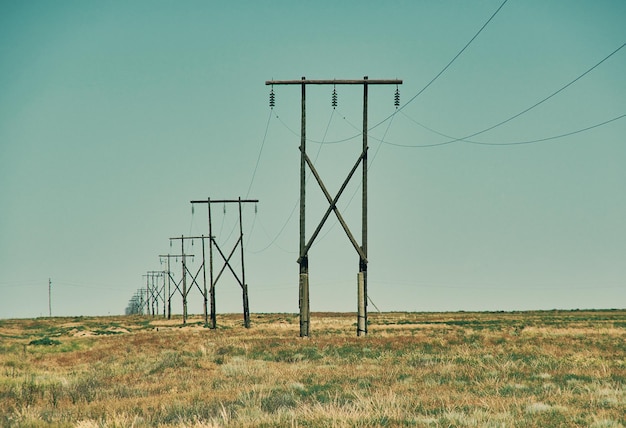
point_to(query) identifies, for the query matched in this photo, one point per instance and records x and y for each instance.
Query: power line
(466, 138)
(357, 188)
(330, 119)
(256, 166)
(323, 142)
(414, 97)
(550, 138)
(444, 69)
(526, 110)
(514, 143)
(434, 131)
(546, 98)
(267, 126)
(279, 232)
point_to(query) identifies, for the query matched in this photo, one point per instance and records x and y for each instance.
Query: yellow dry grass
(525, 369)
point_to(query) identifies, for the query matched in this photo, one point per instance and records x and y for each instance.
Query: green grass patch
(44, 341)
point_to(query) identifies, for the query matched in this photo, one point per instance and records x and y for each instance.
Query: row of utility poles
(162, 286)
(168, 287)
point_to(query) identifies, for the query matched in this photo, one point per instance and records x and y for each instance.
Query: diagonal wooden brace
(194, 278)
(227, 262)
(333, 207)
(176, 285)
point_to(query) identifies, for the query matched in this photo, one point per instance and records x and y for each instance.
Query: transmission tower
(185, 290)
(241, 279)
(170, 280)
(155, 292)
(303, 259)
(136, 303)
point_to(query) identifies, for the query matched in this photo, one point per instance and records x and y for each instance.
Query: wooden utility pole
(303, 259)
(362, 275)
(169, 287)
(303, 279)
(239, 243)
(147, 295)
(183, 257)
(194, 278)
(154, 292)
(170, 279)
(50, 297)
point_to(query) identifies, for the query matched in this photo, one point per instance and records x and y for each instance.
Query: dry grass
(434, 370)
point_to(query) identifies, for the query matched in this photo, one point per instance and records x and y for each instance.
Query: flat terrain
(522, 369)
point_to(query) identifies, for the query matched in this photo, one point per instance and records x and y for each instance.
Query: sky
(115, 115)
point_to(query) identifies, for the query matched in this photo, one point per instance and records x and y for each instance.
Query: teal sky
(114, 115)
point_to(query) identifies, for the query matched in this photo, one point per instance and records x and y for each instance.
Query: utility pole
(148, 300)
(170, 279)
(185, 290)
(135, 303)
(50, 297)
(194, 278)
(213, 280)
(154, 292)
(303, 259)
(147, 295)
(157, 291)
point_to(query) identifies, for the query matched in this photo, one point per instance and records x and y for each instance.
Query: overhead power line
(267, 126)
(443, 69)
(415, 96)
(453, 59)
(256, 166)
(371, 162)
(515, 116)
(539, 140)
(467, 137)
(323, 142)
(280, 231)
(513, 143)
(544, 99)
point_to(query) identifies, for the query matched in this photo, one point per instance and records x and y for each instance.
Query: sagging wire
(293, 210)
(482, 143)
(381, 140)
(258, 159)
(256, 210)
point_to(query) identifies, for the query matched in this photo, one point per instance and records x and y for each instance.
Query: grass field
(525, 369)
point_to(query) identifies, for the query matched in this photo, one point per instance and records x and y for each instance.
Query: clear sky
(114, 115)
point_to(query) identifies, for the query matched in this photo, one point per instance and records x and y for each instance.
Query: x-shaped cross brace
(194, 278)
(333, 207)
(227, 262)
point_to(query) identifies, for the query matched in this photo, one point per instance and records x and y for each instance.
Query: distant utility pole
(50, 297)
(303, 259)
(170, 279)
(241, 280)
(147, 294)
(154, 292)
(135, 305)
(185, 291)
(179, 284)
(194, 278)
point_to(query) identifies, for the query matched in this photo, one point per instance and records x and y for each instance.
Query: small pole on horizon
(50, 297)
